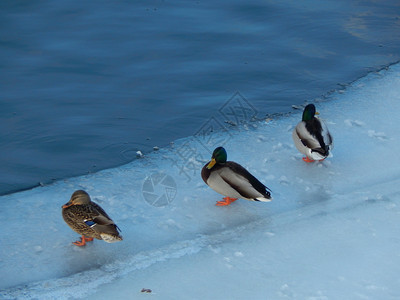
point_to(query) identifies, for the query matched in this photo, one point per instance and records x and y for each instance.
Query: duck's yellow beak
(211, 164)
(317, 113)
(68, 204)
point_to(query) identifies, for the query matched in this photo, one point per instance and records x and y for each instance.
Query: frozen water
(331, 231)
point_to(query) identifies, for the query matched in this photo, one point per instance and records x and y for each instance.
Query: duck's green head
(79, 197)
(219, 156)
(309, 112)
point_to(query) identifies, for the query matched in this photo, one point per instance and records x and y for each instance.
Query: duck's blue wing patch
(89, 223)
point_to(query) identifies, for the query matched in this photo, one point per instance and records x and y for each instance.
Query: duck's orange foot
(83, 241)
(227, 201)
(307, 160)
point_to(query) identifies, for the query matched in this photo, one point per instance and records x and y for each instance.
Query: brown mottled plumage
(89, 219)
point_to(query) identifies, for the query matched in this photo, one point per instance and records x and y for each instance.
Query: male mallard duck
(232, 180)
(311, 136)
(89, 219)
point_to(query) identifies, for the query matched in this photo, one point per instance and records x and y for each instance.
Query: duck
(312, 137)
(231, 180)
(89, 220)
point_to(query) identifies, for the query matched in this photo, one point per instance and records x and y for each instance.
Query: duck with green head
(88, 219)
(232, 180)
(311, 136)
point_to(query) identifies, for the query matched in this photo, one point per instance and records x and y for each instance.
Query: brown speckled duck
(89, 219)
(232, 180)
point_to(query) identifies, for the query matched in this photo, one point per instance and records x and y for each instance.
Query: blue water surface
(86, 84)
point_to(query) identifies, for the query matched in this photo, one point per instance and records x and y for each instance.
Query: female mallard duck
(89, 219)
(311, 136)
(232, 180)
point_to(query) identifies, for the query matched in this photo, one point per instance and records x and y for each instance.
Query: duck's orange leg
(308, 160)
(83, 241)
(227, 201)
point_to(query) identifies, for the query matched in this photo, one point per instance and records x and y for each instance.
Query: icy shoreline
(327, 234)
